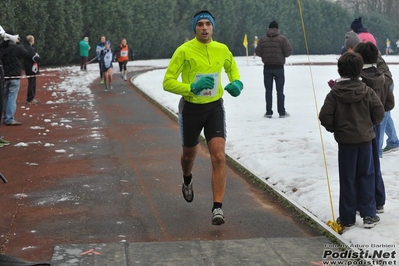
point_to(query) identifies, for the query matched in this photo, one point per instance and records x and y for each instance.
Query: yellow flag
(245, 43)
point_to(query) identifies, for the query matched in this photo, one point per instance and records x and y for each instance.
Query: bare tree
(388, 8)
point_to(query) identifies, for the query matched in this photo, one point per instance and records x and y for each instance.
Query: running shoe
(4, 142)
(217, 217)
(389, 149)
(188, 192)
(370, 222)
(34, 101)
(14, 123)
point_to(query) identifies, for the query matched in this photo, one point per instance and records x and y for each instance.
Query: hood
(272, 32)
(350, 91)
(373, 78)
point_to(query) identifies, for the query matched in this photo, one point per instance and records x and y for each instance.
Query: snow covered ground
(285, 153)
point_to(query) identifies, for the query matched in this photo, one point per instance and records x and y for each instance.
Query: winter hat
(357, 24)
(108, 42)
(273, 24)
(10, 31)
(203, 14)
(351, 39)
(12, 40)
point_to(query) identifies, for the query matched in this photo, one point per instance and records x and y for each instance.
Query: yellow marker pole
(245, 43)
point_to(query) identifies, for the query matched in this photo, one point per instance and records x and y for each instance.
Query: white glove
(2, 31)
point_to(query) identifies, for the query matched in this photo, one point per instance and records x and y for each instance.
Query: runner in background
(123, 53)
(100, 46)
(107, 56)
(255, 44)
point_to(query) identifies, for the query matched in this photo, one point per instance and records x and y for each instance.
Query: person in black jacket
(274, 48)
(3, 142)
(12, 63)
(31, 69)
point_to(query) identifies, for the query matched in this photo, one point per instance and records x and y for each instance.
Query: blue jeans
(278, 75)
(11, 88)
(388, 127)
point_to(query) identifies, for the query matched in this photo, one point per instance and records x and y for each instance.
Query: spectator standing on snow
(84, 48)
(376, 80)
(12, 58)
(31, 64)
(352, 100)
(99, 47)
(274, 48)
(387, 125)
(123, 53)
(364, 34)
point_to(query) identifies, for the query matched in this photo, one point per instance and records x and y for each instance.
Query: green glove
(203, 83)
(234, 88)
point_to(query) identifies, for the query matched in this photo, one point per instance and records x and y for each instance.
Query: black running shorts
(193, 118)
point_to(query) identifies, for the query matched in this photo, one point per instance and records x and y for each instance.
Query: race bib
(108, 59)
(123, 53)
(211, 91)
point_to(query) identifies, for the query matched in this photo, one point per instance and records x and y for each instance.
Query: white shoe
(188, 192)
(125, 77)
(218, 217)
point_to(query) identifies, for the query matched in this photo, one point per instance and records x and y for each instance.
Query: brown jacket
(376, 80)
(273, 48)
(383, 67)
(351, 110)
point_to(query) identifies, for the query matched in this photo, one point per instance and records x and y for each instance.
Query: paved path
(101, 174)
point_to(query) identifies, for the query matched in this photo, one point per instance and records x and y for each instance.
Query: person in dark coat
(273, 48)
(31, 69)
(12, 63)
(351, 100)
(3, 142)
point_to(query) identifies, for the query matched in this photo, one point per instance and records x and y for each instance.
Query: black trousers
(101, 72)
(1, 92)
(31, 89)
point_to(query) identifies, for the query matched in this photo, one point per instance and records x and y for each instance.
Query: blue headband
(203, 15)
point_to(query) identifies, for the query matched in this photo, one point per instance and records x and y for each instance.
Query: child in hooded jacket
(375, 79)
(350, 111)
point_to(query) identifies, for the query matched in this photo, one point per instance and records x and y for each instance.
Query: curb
(305, 215)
